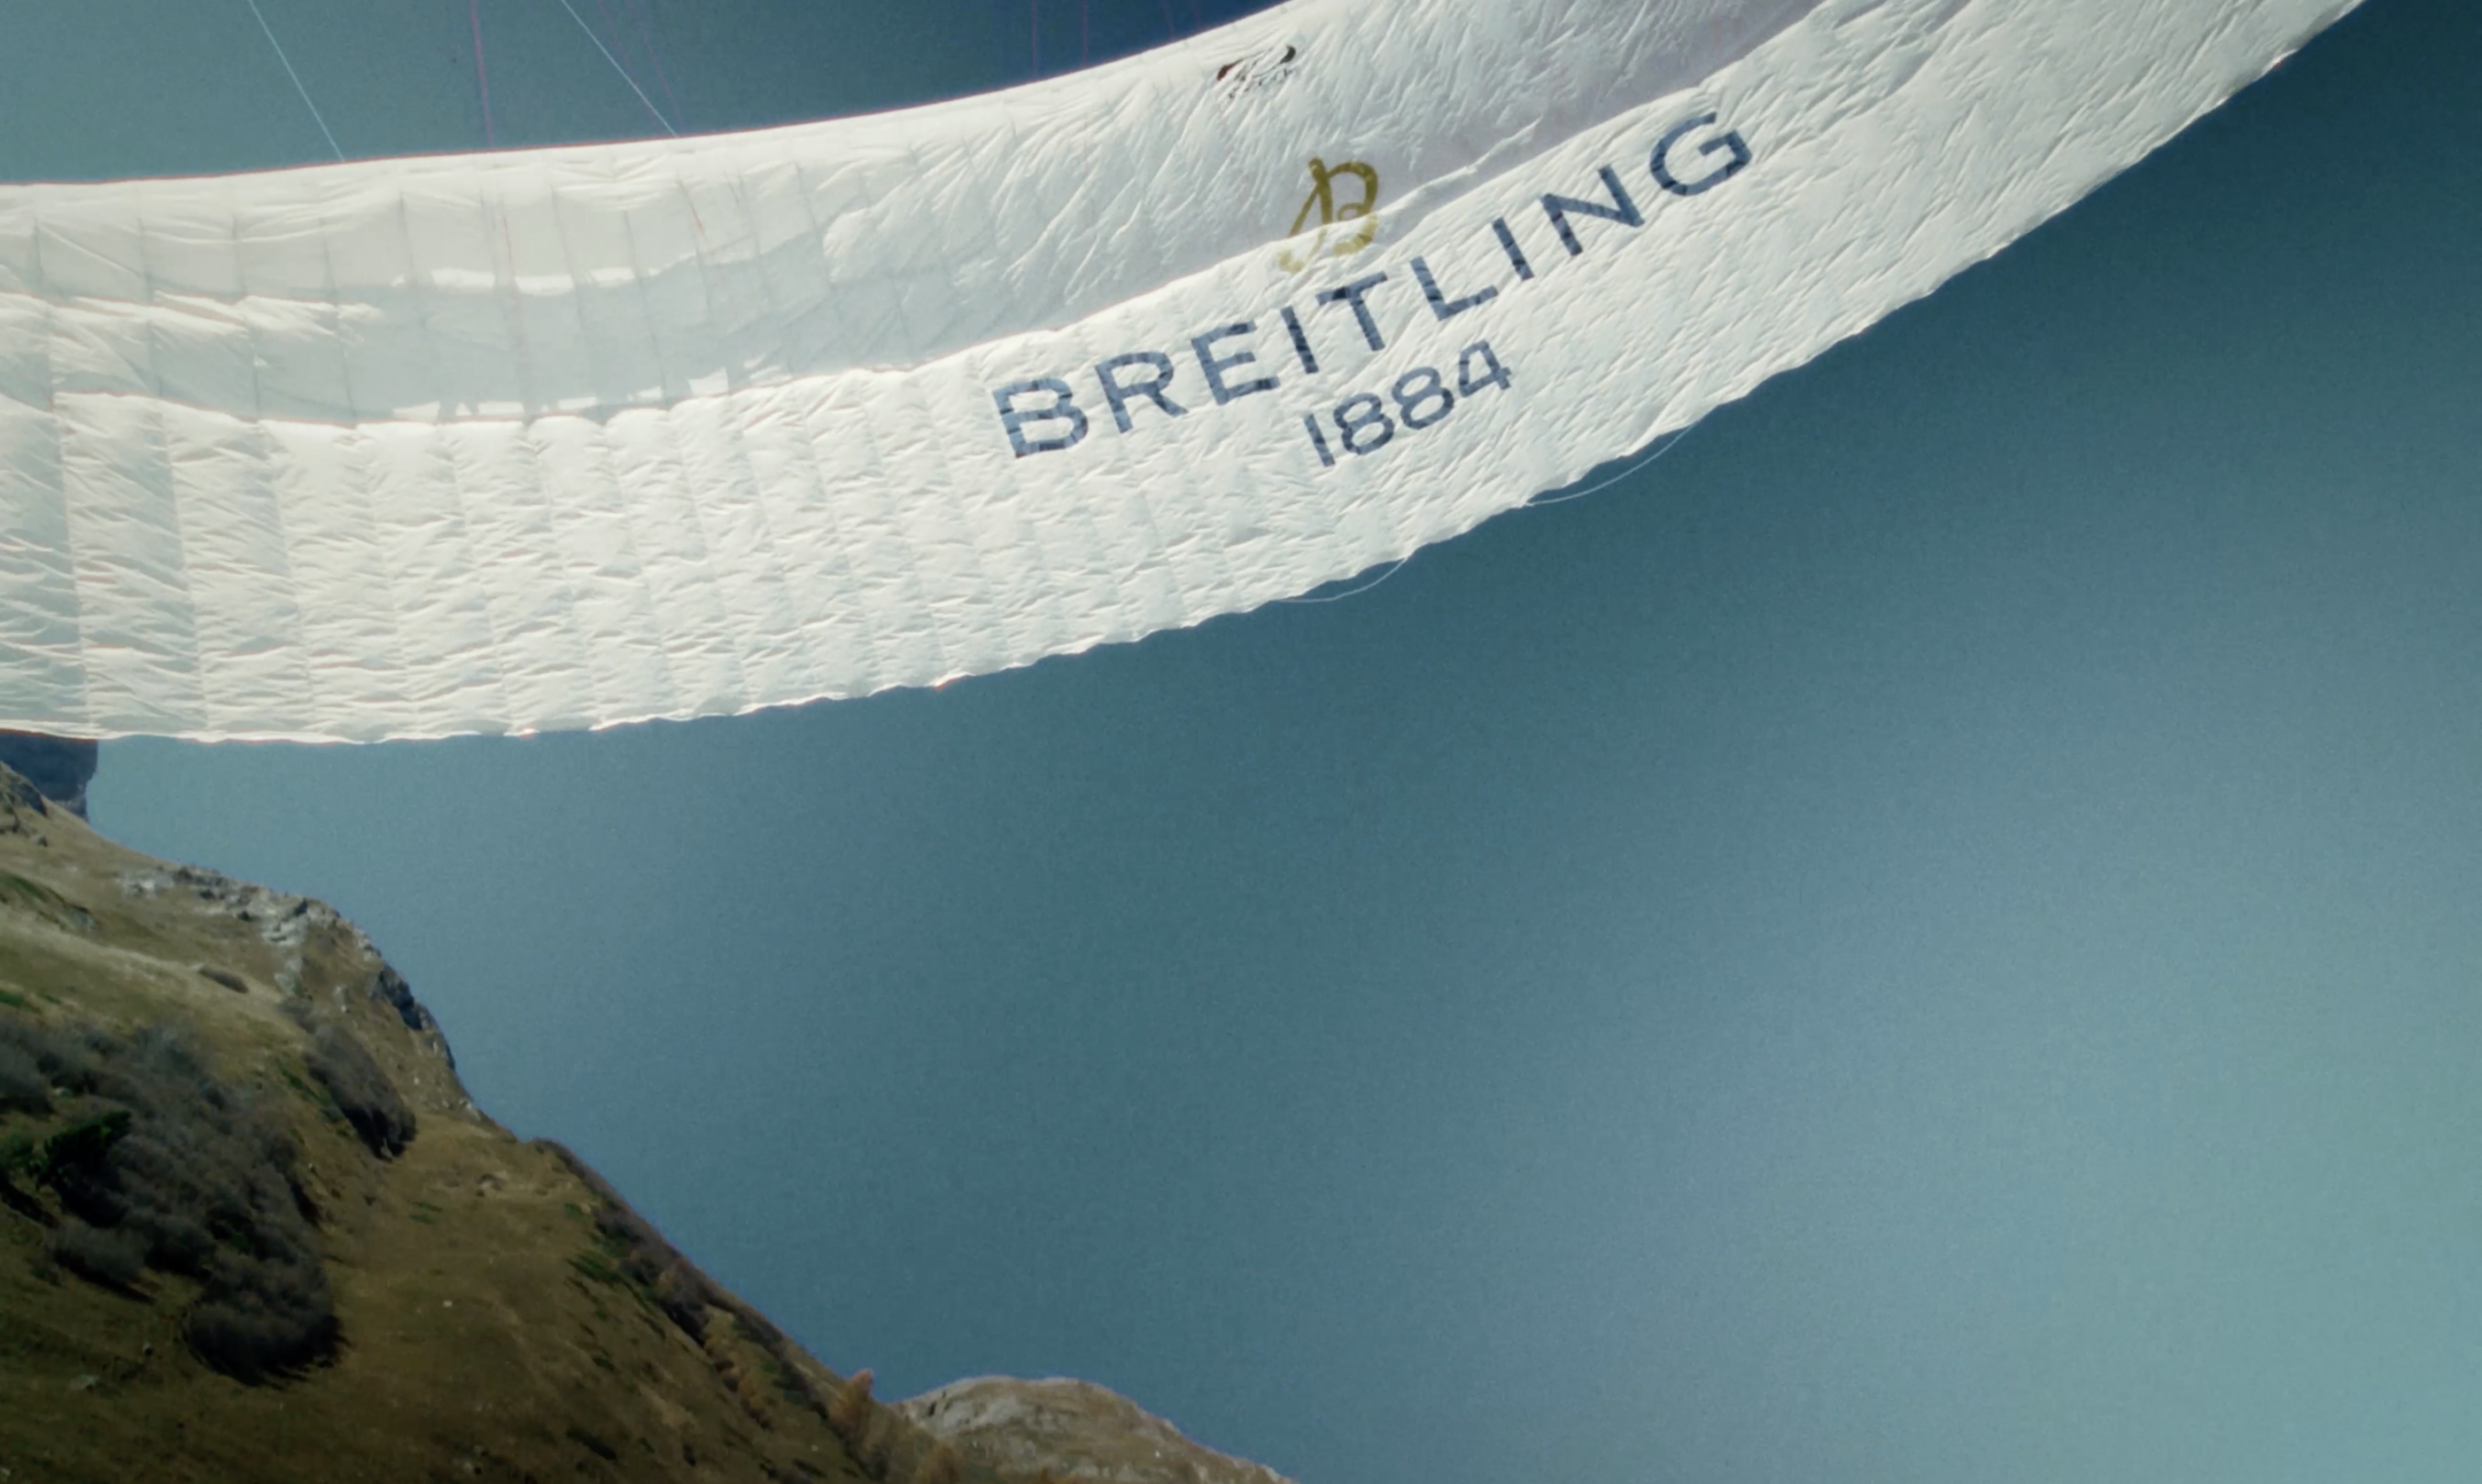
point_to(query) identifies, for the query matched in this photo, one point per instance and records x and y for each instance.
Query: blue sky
(1929, 938)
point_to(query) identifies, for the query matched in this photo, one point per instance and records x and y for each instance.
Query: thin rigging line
(619, 37)
(628, 60)
(1393, 567)
(1034, 32)
(297, 80)
(646, 31)
(1666, 447)
(482, 74)
(652, 109)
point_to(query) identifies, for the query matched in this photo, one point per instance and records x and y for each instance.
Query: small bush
(850, 1409)
(23, 1088)
(60, 1060)
(263, 1318)
(76, 1153)
(224, 977)
(363, 1094)
(114, 1258)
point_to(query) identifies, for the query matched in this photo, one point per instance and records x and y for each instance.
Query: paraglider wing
(570, 437)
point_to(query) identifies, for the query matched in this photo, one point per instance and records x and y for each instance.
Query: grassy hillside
(251, 1227)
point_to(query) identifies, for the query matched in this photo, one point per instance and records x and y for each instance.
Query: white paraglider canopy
(577, 437)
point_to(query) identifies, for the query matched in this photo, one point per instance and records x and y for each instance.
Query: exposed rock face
(1075, 1431)
(58, 766)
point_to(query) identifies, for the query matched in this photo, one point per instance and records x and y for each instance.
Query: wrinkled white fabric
(570, 437)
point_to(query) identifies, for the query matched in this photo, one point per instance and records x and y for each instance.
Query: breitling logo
(1343, 228)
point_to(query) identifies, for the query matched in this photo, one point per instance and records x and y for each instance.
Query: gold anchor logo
(1322, 200)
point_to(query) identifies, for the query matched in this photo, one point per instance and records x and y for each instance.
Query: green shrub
(362, 1090)
(263, 1318)
(198, 1178)
(114, 1258)
(23, 1088)
(61, 1058)
(591, 1266)
(79, 1150)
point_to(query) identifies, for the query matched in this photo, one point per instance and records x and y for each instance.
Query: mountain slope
(251, 1227)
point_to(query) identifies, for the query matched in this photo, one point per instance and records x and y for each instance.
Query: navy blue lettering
(1216, 365)
(1416, 387)
(1319, 440)
(1731, 143)
(1480, 354)
(1301, 342)
(1351, 294)
(1508, 245)
(1441, 305)
(1622, 210)
(1118, 393)
(1062, 409)
(1363, 424)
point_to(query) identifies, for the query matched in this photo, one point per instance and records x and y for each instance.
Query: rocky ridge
(1071, 1429)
